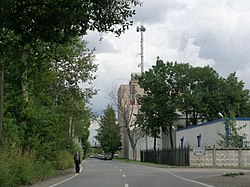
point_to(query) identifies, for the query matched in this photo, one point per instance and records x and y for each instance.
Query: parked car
(93, 156)
(107, 157)
(100, 156)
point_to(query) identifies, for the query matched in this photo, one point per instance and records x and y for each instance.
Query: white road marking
(126, 185)
(120, 169)
(203, 184)
(68, 178)
(124, 175)
(64, 180)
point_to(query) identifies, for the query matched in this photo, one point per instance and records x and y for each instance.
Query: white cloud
(154, 12)
(199, 32)
(190, 55)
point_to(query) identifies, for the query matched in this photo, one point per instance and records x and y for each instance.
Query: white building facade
(206, 135)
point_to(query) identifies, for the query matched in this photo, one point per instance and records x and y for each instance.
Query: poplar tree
(108, 134)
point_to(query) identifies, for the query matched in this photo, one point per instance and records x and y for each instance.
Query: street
(99, 173)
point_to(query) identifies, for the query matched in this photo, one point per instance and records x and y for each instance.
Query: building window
(199, 140)
(182, 142)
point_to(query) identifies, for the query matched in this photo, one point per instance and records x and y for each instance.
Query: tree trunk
(133, 141)
(195, 120)
(186, 112)
(24, 85)
(155, 142)
(171, 136)
(155, 148)
(24, 76)
(134, 152)
(1, 103)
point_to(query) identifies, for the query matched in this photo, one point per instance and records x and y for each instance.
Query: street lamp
(221, 115)
(227, 128)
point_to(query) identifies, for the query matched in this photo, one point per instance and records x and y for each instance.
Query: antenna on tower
(141, 29)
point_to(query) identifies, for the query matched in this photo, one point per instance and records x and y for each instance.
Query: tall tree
(203, 94)
(200, 93)
(197, 92)
(158, 104)
(55, 96)
(55, 22)
(236, 97)
(108, 134)
(127, 111)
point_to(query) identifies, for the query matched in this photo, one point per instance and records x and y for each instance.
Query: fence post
(214, 156)
(189, 157)
(158, 156)
(239, 157)
(141, 155)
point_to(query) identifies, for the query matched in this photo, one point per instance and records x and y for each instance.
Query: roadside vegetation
(174, 89)
(233, 174)
(108, 134)
(46, 74)
(232, 138)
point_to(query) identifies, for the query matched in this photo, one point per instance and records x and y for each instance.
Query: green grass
(233, 174)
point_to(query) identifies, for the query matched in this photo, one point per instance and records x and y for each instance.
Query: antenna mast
(141, 29)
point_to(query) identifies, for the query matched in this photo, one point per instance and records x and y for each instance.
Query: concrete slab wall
(221, 158)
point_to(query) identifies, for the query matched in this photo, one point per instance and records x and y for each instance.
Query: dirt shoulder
(61, 176)
(227, 181)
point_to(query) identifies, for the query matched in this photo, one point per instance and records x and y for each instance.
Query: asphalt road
(99, 173)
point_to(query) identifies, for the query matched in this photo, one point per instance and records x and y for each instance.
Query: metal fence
(175, 157)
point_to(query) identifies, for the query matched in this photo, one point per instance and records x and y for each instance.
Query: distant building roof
(211, 122)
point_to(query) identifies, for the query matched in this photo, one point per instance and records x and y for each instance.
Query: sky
(198, 32)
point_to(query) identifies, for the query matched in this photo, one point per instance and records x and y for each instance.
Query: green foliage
(233, 174)
(198, 93)
(231, 138)
(42, 121)
(64, 160)
(108, 134)
(48, 74)
(40, 124)
(18, 167)
(236, 97)
(158, 104)
(34, 20)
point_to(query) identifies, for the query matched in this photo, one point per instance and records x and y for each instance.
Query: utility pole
(141, 29)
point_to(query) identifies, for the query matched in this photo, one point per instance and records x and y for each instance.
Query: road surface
(99, 173)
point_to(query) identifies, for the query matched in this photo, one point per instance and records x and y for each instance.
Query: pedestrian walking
(77, 161)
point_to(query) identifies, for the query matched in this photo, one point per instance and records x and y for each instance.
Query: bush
(64, 160)
(17, 168)
(5, 175)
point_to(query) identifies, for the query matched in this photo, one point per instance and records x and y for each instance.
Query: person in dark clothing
(77, 161)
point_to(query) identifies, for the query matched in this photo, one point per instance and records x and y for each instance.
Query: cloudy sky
(211, 32)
